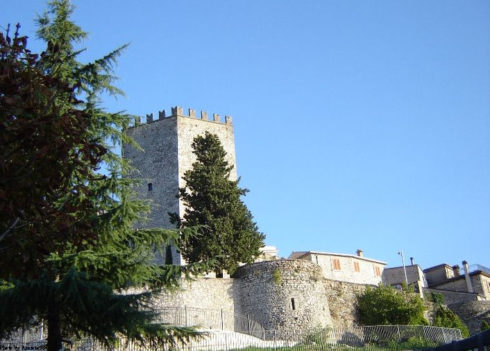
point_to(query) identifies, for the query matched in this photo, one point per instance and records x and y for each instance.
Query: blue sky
(358, 124)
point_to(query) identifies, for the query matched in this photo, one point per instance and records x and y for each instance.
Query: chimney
(469, 286)
(411, 261)
(456, 270)
(359, 253)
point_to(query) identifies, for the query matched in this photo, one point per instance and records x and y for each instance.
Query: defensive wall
(284, 296)
(342, 300)
(472, 313)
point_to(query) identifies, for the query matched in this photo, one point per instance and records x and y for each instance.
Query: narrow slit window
(150, 186)
(293, 304)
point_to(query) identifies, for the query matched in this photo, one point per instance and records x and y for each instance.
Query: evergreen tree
(227, 233)
(66, 231)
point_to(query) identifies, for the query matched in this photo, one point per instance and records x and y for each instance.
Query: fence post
(444, 335)
(23, 339)
(248, 323)
(222, 320)
(399, 335)
(185, 316)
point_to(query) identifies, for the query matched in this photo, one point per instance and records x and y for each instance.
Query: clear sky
(358, 124)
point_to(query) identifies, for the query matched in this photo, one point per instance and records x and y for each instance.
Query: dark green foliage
(44, 146)
(385, 305)
(227, 232)
(484, 325)
(444, 317)
(67, 239)
(168, 255)
(436, 298)
(413, 343)
(105, 314)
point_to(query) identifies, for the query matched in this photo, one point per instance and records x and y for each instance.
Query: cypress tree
(227, 233)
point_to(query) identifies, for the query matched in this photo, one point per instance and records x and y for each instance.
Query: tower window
(150, 186)
(293, 305)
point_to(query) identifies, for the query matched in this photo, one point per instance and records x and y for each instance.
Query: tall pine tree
(227, 233)
(66, 235)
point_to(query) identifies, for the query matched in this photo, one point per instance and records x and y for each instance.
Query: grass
(413, 343)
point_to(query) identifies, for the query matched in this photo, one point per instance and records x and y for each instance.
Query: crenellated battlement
(178, 111)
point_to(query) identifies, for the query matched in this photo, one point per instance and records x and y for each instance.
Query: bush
(385, 305)
(413, 343)
(444, 317)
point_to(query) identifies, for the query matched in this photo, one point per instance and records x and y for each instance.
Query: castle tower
(167, 155)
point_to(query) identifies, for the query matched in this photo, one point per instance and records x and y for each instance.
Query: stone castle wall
(472, 313)
(342, 300)
(284, 295)
(204, 302)
(167, 154)
(157, 164)
(287, 298)
(204, 293)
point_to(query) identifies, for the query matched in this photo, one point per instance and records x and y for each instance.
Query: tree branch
(9, 229)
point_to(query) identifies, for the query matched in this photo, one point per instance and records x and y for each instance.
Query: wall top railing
(178, 111)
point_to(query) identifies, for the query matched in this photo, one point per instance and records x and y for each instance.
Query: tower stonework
(167, 154)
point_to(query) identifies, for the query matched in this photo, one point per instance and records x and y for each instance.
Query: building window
(356, 267)
(377, 271)
(150, 186)
(336, 264)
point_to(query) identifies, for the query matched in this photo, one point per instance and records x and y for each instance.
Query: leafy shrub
(444, 317)
(385, 305)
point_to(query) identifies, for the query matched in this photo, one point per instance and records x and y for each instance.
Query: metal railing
(368, 337)
(211, 319)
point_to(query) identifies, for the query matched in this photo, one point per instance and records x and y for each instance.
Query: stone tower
(167, 154)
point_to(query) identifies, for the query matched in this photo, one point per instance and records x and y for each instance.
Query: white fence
(227, 331)
(210, 319)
